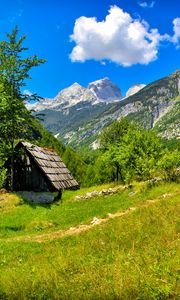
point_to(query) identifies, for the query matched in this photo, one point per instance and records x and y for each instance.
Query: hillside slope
(154, 106)
(133, 256)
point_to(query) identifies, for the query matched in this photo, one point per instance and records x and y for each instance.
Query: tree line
(129, 152)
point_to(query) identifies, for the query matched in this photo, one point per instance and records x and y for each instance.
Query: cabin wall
(27, 176)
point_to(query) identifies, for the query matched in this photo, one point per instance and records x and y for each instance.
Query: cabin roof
(51, 165)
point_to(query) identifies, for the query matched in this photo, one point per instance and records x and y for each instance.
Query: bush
(169, 165)
(131, 153)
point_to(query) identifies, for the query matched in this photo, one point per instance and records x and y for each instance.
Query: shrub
(169, 165)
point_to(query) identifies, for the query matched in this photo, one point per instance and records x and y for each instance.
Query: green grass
(132, 257)
(23, 218)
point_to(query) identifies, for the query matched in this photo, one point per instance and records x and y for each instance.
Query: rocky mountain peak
(72, 92)
(175, 74)
(99, 82)
(105, 89)
(134, 89)
(76, 85)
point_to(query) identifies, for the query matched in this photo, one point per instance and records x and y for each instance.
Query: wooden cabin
(40, 170)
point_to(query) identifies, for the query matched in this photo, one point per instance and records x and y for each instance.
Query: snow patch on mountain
(134, 89)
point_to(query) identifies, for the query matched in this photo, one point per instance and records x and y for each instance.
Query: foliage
(39, 135)
(14, 71)
(113, 134)
(14, 120)
(169, 165)
(99, 172)
(74, 163)
(171, 144)
(127, 152)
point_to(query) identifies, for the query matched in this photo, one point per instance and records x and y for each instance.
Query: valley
(89, 177)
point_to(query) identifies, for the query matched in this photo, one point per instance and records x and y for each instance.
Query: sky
(129, 41)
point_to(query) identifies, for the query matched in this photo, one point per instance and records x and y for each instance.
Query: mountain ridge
(79, 124)
(103, 90)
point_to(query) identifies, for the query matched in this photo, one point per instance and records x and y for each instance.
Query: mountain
(100, 91)
(156, 106)
(134, 89)
(105, 90)
(77, 114)
(75, 106)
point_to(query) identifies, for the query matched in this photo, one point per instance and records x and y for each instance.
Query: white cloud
(119, 38)
(147, 4)
(176, 29)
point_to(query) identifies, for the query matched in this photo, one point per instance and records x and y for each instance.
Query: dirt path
(41, 238)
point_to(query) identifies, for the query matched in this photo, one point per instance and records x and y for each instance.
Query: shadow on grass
(14, 228)
(34, 200)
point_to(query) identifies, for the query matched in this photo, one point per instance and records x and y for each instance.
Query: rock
(72, 228)
(94, 193)
(155, 179)
(132, 193)
(110, 215)
(123, 188)
(104, 192)
(78, 198)
(105, 89)
(95, 221)
(134, 89)
(88, 195)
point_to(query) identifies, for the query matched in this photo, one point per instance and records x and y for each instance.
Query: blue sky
(121, 43)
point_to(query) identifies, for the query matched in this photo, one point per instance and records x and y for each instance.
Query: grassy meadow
(135, 256)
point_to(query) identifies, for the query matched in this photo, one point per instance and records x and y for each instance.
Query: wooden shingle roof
(51, 166)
